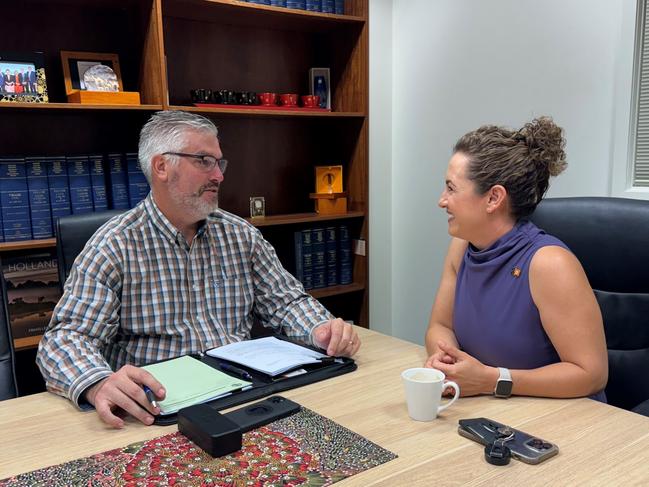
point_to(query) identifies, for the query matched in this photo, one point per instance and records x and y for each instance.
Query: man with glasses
(173, 276)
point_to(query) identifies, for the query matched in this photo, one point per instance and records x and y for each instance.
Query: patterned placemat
(303, 449)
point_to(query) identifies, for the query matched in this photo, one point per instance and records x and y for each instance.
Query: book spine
(314, 5)
(57, 180)
(138, 187)
(344, 255)
(14, 198)
(298, 4)
(278, 3)
(98, 182)
(80, 186)
(319, 262)
(304, 258)
(328, 6)
(339, 7)
(39, 198)
(331, 255)
(117, 182)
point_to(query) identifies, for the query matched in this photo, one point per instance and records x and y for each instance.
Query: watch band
(504, 383)
(504, 374)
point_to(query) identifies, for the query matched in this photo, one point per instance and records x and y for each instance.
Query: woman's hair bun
(546, 143)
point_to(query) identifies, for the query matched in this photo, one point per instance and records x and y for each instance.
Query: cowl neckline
(520, 234)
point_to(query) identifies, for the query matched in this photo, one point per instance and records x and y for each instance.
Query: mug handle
(452, 384)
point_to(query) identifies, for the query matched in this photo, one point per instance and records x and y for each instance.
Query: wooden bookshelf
(27, 343)
(45, 243)
(166, 48)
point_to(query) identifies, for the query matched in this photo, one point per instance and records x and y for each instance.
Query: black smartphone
(523, 446)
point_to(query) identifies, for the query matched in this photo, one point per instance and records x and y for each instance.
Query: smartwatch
(504, 384)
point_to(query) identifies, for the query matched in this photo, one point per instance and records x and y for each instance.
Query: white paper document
(268, 355)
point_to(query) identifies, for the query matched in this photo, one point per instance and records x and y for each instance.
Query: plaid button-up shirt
(138, 293)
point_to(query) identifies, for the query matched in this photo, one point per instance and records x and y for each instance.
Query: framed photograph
(91, 71)
(320, 85)
(22, 77)
(257, 207)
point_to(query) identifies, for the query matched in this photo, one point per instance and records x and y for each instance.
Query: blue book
(79, 183)
(339, 7)
(39, 197)
(98, 182)
(138, 186)
(57, 179)
(313, 5)
(331, 255)
(298, 4)
(344, 255)
(2, 233)
(118, 194)
(303, 258)
(278, 3)
(319, 261)
(14, 198)
(328, 6)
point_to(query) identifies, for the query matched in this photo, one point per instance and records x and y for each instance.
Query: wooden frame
(71, 74)
(34, 88)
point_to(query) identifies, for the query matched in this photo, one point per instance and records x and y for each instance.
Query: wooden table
(599, 444)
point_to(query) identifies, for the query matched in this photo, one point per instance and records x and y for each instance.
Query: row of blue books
(323, 256)
(325, 6)
(35, 191)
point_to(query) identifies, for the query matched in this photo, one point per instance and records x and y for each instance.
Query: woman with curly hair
(514, 313)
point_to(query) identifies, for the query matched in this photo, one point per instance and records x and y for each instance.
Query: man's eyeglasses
(205, 162)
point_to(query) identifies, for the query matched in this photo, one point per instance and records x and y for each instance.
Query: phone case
(523, 446)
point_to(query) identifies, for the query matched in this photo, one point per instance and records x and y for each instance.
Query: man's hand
(337, 337)
(123, 389)
(469, 373)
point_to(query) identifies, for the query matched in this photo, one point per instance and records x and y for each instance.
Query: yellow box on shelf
(104, 97)
(329, 196)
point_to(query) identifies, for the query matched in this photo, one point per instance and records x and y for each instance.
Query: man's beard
(194, 204)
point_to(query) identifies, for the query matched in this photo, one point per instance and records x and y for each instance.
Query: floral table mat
(303, 449)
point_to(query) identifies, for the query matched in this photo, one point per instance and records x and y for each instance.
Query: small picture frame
(257, 207)
(76, 63)
(22, 77)
(320, 85)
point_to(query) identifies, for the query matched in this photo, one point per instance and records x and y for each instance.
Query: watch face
(504, 388)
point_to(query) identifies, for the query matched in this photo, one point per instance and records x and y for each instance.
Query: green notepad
(189, 381)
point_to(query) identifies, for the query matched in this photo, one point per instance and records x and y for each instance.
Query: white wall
(458, 64)
(380, 184)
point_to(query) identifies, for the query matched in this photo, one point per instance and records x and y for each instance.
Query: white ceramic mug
(424, 388)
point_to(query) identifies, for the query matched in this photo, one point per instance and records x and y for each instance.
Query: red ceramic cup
(288, 99)
(310, 101)
(267, 99)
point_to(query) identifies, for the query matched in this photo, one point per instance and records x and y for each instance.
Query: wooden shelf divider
(336, 290)
(44, 243)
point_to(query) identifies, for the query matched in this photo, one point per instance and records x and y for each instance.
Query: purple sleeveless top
(495, 319)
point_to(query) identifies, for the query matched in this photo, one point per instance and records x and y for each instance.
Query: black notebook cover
(264, 385)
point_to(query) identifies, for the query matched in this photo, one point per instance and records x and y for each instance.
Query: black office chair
(8, 384)
(72, 233)
(610, 237)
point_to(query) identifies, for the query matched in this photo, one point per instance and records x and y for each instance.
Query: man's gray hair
(165, 132)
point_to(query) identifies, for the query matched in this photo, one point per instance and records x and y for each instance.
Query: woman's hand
(470, 374)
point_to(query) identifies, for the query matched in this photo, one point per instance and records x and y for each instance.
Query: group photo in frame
(76, 65)
(22, 77)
